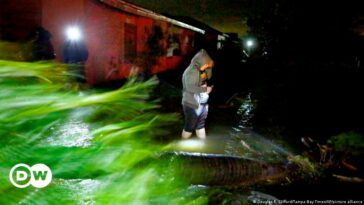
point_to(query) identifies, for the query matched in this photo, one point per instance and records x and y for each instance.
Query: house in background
(120, 37)
(212, 40)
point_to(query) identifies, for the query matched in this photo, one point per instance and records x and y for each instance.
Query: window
(129, 42)
(173, 45)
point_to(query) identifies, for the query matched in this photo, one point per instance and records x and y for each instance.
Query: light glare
(73, 33)
(249, 43)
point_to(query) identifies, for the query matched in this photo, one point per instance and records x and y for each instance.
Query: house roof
(196, 23)
(131, 8)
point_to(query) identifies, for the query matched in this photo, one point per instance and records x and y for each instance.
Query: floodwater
(236, 140)
(240, 140)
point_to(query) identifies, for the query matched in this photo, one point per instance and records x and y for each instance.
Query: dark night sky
(232, 15)
(224, 15)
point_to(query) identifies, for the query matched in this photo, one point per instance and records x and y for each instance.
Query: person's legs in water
(200, 124)
(190, 122)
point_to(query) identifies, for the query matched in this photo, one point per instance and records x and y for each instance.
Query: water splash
(245, 111)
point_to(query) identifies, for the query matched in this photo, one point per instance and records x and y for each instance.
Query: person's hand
(209, 89)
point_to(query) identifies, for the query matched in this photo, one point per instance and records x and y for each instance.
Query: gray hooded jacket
(191, 79)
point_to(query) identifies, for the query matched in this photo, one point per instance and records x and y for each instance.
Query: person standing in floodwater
(196, 94)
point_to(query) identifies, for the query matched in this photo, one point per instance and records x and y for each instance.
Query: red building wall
(58, 15)
(105, 30)
(105, 42)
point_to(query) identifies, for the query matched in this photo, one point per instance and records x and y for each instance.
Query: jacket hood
(200, 59)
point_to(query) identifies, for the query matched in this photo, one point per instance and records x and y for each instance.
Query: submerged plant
(98, 145)
(304, 168)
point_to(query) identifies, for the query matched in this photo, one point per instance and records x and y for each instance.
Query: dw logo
(39, 175)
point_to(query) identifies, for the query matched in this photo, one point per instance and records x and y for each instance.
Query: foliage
(305, 169)
(170, 96)
(15, 51)
(348, 142)
(99, 145)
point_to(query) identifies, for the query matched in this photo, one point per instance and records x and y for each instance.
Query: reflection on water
(234, 142)
(81, 189)
(71, 132)
(245, 142)
(191, 145)
(215, 143)
(245, 111)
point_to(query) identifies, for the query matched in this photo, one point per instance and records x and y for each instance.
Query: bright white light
(250, 43)
(73, 33)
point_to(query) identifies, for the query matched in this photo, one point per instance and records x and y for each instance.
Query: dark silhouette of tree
(303, 27)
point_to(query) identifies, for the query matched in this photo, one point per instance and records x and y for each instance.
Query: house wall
(57, 16)
(185, 40)
(105, 27)
(106, 32)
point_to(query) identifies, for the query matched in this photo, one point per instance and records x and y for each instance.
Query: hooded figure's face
(202, 60)
(208, 65)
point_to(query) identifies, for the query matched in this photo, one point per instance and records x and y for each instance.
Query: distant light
(250, 43)
(73, 33)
